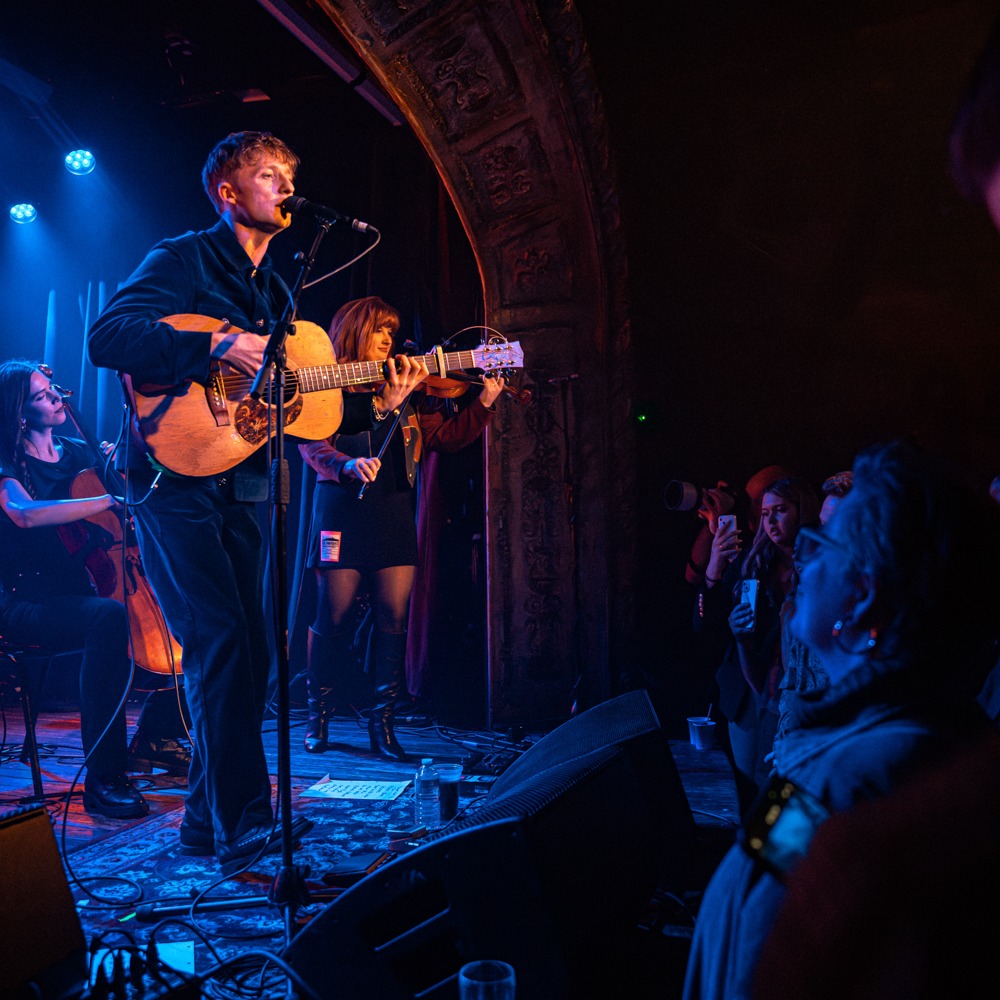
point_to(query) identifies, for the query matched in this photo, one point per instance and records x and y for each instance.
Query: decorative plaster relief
(510, 173)
(535, 268)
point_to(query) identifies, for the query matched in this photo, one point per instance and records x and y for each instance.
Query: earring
(872, 639)
(838, 627)
(24, 424)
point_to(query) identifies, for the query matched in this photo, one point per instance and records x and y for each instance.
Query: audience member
(884, 600)
(803, 669)
(750, 673)
(722, 499)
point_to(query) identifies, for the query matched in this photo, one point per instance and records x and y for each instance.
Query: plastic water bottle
(427, 796)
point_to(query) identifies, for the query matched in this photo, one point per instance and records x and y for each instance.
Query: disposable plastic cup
(701, 730)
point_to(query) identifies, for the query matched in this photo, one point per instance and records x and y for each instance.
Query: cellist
(47, 596)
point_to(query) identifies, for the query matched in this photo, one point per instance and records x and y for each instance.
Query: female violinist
(47, 596)
(374, 539)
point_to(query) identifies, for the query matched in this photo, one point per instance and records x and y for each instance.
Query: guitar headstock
(504, 354)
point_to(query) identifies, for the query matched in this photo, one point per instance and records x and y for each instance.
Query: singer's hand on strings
(244, 351)
(412, 371)
(365, 469)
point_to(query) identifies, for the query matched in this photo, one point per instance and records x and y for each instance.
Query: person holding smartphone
(748, 594)
(883, 600)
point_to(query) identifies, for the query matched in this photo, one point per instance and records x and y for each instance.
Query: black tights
(337, 588)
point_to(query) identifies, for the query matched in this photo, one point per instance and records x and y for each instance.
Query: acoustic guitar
(197, 429)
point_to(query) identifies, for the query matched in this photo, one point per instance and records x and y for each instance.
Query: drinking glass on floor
(486, 980)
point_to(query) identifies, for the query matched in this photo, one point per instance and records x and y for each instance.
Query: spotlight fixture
(80, 162)
(23, 213)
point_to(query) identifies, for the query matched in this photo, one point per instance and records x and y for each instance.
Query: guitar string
(364, 371)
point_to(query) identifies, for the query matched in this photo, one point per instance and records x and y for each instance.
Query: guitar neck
(316, 378)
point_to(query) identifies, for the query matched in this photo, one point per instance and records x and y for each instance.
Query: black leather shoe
(169, 755)
(236, 855)
(114, 797)
(197, 843)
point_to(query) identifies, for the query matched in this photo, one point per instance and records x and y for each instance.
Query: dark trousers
(97, 626)
(201, 551)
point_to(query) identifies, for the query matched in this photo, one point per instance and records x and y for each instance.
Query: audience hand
(741, 622)
(715, 502)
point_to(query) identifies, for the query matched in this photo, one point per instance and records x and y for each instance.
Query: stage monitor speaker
(43, 946)
(546, 875)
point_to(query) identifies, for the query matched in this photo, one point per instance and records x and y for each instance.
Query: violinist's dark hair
(15, 387)
(356, 322)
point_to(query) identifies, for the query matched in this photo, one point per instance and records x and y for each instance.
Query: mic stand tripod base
(289, 887)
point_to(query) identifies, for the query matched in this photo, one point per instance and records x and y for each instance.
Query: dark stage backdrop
(804, 277)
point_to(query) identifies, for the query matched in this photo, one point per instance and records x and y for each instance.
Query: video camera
(679, 495)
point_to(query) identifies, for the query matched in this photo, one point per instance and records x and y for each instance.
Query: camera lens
(678, 495)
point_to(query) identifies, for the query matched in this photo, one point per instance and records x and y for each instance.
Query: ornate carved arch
(502, 96)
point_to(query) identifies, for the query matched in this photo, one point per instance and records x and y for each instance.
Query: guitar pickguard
(253, 418)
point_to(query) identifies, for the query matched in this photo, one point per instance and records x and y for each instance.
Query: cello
(112, 558)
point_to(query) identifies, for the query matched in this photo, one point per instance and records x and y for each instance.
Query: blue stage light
(23, 213)
(80, 161)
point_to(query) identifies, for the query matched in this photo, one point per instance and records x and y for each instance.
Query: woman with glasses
(47, 597)
(751, 671)
(893, 600)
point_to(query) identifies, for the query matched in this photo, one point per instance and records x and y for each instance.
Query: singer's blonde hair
(237, 150)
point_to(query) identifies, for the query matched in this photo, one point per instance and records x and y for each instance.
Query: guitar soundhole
(291, 390)
(254, 419)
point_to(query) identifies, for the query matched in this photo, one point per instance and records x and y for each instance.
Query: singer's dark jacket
(199, 537)
(210, 274)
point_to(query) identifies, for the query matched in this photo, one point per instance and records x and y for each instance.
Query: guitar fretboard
(315, 378)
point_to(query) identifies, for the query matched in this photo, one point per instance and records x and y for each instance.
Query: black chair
(17, 673)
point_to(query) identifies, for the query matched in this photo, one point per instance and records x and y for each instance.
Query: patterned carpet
(120, 870)
(139, 866)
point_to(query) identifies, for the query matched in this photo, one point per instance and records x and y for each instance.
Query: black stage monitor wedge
(41, 940)
(546, 875)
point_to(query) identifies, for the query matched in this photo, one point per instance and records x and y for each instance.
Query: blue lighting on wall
(80, 161)
(23, 213)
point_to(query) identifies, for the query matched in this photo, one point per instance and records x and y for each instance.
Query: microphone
(293, 205)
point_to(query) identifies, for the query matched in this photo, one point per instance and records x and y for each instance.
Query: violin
(458, 384)
(111, 556)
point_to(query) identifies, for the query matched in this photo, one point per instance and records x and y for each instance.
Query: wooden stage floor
(705, 775)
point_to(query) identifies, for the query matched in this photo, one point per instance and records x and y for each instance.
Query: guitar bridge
(215, 395)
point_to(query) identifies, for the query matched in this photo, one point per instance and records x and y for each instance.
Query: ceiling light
(80, 161)
(23, 213)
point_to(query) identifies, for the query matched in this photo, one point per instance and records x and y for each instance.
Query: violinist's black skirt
(377, 531)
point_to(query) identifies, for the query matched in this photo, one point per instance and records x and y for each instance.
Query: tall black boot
(390, 666)
(322, 664)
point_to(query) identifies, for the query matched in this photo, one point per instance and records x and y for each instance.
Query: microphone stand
(288, 890)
